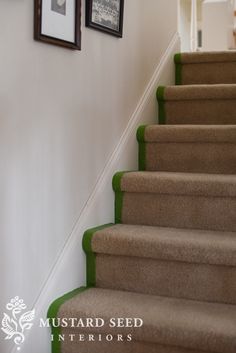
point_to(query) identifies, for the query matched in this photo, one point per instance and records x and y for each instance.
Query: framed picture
(105, 16)
(58, 22)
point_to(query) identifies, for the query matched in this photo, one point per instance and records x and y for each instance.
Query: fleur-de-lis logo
(15, 324)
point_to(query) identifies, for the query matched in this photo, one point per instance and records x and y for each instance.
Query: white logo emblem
(15, 324)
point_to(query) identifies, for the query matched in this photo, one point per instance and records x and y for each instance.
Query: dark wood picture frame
(56, 41)
(99, 26)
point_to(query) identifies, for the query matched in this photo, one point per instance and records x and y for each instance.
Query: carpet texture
(167, 148)
(199, 264)
(118, 347)
(197, 104)
(180, 200)
(170, 321)
(204, 67)
(169, 258)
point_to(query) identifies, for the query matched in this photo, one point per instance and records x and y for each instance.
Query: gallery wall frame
(58, 22)
(106, 16)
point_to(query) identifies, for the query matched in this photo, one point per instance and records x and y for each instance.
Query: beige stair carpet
(167, 321)
(197, 104)
(124, 347)
(198, 264)
(169, 260)
(188, 148)
(181, 200)
(205, 67)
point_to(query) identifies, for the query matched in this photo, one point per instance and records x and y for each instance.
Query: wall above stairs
(64, 117)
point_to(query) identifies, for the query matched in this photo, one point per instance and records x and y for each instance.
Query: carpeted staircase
(170, 257)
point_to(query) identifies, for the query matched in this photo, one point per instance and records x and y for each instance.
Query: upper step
(197, 104)
(167, 321)
(205, 68)
(179, 200)
(188, 148)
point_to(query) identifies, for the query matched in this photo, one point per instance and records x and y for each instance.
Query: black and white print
(106, 13)
(59, 6)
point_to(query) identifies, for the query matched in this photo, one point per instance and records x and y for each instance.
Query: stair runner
(169, 260)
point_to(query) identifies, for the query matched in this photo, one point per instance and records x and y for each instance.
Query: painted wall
(217, 24)
(184, 23)
(62, 115)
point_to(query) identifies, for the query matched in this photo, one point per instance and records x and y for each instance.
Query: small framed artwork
(58, 22)
(105, 16)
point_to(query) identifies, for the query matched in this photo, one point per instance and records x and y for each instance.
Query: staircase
(170, 257)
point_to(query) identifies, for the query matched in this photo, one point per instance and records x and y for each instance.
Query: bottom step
(191, 326)
(122, 347)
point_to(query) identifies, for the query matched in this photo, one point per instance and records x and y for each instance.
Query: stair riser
(205, 73)
(219, 158)
(178, 211)
(199, 112)
(118, 347)
(185, 280)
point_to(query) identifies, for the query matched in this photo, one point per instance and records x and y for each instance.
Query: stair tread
(198, 184)
(188, 133)
(177, 322)
(197, 92)
(162, 243)
(205, 57)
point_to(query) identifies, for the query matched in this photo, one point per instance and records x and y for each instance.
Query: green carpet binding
(178, 69)
(53, 312)
(161, 105)
(142, 147)
(91, 282)
(90, 255)
(116, 184)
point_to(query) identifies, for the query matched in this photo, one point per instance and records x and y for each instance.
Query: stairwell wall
(62, 115)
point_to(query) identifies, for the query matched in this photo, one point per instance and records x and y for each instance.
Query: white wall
(62, 114)
(184, 22)
(217, 24)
